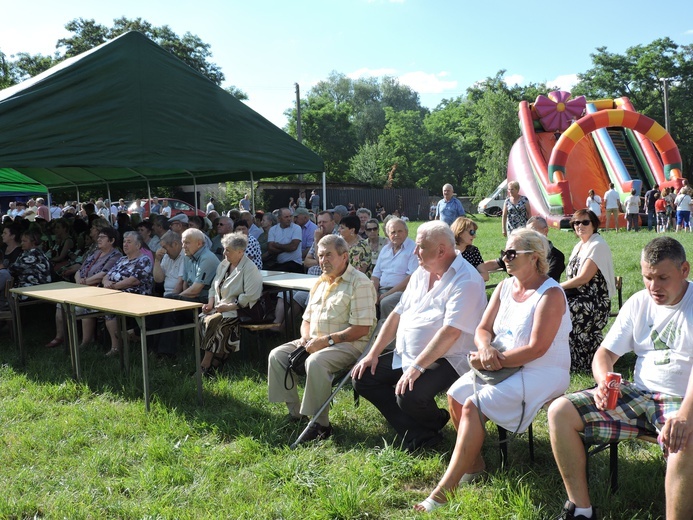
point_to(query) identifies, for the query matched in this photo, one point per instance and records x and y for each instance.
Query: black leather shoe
(569, 513)
(317, 432)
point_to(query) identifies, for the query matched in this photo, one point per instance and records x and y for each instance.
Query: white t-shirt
(174, 271)
(166, 211)
(594, 204)
(611, 199)
(633, 204)
(682, 202)
(662, 338)
(458, 299)
(282, 235)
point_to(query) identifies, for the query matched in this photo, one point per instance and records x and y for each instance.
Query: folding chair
(342, 382)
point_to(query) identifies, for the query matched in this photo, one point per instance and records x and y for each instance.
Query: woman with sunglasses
(375, 241)
(465, 230)
(526, 324)
(589, 287)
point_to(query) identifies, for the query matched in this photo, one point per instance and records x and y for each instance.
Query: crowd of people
(500, 361)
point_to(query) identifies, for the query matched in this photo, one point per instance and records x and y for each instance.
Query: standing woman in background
(594, 203)
(516, 210)
(632, 205)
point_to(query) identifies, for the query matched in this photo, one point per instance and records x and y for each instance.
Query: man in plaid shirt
(657, 325)
(336, 326)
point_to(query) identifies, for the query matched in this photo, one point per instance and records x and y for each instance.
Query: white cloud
(514, 79)
(374, 73)
(689, 31)
(564, 82)
(427, 83)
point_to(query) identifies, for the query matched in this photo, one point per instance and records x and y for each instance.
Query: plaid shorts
(636, 413)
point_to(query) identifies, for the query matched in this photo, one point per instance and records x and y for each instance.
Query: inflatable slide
(569, 146)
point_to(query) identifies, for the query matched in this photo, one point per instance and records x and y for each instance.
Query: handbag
(297, 365)
(493, 377)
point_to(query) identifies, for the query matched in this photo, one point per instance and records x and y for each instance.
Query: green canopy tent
(130, 113)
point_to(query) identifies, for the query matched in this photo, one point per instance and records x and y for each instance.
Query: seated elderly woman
(465, 230)
(32, 267)
(237, 286)
(91, 272)
(526, 324)
(131, 273)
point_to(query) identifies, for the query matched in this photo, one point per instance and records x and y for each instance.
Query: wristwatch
(330, 341)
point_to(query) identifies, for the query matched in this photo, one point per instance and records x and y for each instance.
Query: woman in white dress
(526, 324)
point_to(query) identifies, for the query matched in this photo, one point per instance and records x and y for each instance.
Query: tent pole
(252, 193)
(196, 194)
(108, 191)
(149, 190)
(324, 192)
(78, 201)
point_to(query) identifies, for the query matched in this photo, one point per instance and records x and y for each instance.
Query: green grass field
(89, 450)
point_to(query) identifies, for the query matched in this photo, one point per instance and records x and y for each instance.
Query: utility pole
(666, 102)
(299, 136)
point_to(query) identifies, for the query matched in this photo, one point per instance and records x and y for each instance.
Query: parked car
(177, 206)
(493, 204)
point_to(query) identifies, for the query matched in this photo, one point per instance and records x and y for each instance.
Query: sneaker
(317, 432)
(569, 513)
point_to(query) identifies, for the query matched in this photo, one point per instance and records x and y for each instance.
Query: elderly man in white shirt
(434, 326)
(396, 263)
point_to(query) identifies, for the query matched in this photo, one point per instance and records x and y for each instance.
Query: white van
(493, 204)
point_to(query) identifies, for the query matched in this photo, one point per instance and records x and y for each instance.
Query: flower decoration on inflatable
(557, 111)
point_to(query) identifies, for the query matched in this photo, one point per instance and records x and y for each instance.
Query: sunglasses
(585, 222)
(371, 229)
(511, 254)
(472, 232)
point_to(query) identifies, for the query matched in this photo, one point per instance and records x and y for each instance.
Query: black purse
(297, 365)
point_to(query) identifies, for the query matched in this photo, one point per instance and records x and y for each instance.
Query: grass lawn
(89, 450)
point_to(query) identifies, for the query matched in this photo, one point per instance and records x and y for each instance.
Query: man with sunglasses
(224, 227)
(434, 324)
(657, 325)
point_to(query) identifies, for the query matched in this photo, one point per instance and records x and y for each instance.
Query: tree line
(374, 131)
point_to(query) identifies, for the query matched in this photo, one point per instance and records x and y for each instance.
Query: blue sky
(438, 47)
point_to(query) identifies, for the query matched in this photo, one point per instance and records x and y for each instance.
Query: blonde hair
(513, 185)
(531, 240)
(461, 225)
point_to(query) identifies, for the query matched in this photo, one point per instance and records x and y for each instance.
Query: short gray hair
(135, 235)
(437, 229)
(663, 248)
(335, 241)
(395, 220)
(540, 221)
(235, 241)
(195, 234)
(364, 210)
(170, 238)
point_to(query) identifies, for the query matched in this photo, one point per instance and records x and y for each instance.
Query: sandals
(113, 352)
(429, 505)
(55, 343)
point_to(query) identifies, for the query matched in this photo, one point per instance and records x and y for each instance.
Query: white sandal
(429, 504)
(472, 478)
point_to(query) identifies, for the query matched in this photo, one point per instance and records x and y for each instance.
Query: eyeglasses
(472, 232)
(101, 236)
(585, 222)
(511, 254)
(371, 229)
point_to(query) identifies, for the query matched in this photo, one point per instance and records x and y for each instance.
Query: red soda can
(613, 384)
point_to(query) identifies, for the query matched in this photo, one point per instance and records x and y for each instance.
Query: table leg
(198, 361)
(73, 338)
(142, 322)
(125, 343)
(18, 320)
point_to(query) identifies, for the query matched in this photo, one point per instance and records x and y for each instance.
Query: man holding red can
(657, 324)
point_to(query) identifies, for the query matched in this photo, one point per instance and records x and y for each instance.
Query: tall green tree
(87, 34)
(638, 74)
